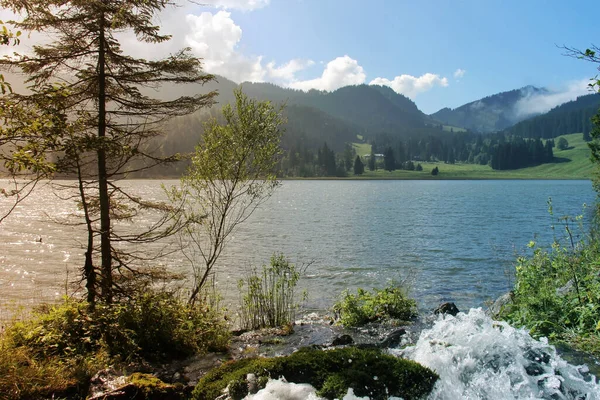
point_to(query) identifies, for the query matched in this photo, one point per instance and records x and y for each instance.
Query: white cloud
(459, 73)
(287, 72)
(215, 38)
(342, 71)
(534, 103)
(411, 86)
(245, 5)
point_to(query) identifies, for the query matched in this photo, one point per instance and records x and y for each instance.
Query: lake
(453, 240)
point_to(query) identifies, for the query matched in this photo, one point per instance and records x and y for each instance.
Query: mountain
(372, 109)
(571, 117)
(313, 117)
(490, 114)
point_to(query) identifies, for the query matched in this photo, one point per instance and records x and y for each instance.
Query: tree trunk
(105, 247)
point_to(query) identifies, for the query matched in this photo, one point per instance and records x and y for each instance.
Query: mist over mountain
(570, 117)
(492, 113)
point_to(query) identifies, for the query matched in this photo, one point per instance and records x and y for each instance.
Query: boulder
(394, 338)
(447, 308)
(501, 302)
(342, 340)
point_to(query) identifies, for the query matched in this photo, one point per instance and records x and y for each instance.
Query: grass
(56, 351)
(574, 163)
(450, 128)
(362, 148)
(389, 303)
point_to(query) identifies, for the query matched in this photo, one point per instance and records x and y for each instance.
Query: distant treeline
(572, 117)
(501, 151)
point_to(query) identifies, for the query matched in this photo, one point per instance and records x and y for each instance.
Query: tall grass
(268, 297)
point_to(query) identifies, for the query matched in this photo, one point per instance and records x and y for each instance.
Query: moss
(148, 387)
(369, 372)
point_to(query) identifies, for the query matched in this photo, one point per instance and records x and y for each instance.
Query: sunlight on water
(455, 239)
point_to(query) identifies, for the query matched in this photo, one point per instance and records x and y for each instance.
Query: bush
(557, 293)
(364, 307)
(62, 346)
(369, 372)
(562, 144)
(27, 375)
(269, 299)
(152, 326)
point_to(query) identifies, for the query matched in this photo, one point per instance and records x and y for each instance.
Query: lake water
(456, 240)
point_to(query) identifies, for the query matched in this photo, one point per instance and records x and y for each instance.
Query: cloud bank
(342, 71)
(244, 5)
(215, 37)
(537, 103)
(411, 86)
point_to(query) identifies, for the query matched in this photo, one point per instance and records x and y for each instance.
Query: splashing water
(479, 358)
(279, 389)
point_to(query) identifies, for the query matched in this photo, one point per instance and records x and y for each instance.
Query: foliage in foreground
(230, 175)
(369, 372)
(62, 346)
(557, 294)
(391, 302)
(269, 298)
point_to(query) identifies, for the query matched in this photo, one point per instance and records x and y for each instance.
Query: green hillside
(574, 164)
(489, 114)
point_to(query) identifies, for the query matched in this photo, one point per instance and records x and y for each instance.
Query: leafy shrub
(26, 375)
(152, 326)
(369, 372)
(557, 292)
(62, 346)
(269, 298)
(391, 302)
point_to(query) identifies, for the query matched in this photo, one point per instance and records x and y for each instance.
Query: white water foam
(478, 358)
(279, 389)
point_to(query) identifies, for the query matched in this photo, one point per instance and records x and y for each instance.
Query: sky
(439, 53)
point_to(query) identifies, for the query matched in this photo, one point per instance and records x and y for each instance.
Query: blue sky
(440, 53)
(500, 45)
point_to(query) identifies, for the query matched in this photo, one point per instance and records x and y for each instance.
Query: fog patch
(534, 103)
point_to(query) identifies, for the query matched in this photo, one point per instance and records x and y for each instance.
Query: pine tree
(389, 161)
(359, 167)
(372, 164)
(112, 119)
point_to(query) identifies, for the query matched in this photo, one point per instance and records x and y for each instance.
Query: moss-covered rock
(369, 372)
(140, 386)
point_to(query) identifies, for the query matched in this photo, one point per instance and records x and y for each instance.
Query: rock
(447, 308)
(342, 340)
(394, 338)
(566, 289)
(138, 386)
(534, 369)
(105, 381)
(537, 355)
(252, 383)
(500, 303)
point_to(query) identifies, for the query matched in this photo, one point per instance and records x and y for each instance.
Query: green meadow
(573, 163)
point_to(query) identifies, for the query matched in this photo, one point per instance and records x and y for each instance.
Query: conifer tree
(359, 167)
(111, 117)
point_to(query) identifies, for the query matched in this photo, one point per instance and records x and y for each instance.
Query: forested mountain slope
(490, 114)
